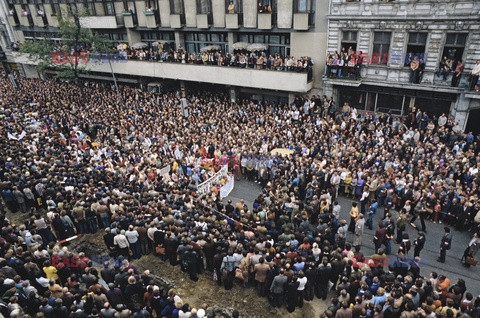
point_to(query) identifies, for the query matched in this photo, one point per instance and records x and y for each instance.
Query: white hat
(201, 313)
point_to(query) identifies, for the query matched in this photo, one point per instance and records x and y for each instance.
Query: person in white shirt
(302, 281)
(122, 243)
(132, 236)
(475, 75)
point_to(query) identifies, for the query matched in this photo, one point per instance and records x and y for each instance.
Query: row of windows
(176, 6)
(417, 41)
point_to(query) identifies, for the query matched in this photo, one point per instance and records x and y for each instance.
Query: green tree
(65, 57)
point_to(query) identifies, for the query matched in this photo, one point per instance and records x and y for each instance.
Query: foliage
(73, 40)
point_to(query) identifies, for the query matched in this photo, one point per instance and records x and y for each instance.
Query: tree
(68, 56)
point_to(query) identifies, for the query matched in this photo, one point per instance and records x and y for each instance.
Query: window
(237, 6)
(349, 40)
(303, 6)
(91, 9)
(195, 41)
(73, 8)
(151, 4)
(55, 7)
(381, 46)
(176, 6)
(417, 42)
(278, 43)
(203, 6)
(455, 45)
(109, 9)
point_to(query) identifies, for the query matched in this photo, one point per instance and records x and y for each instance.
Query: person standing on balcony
(231, 8)
(414, 65)
(475, 75)
(458, 73)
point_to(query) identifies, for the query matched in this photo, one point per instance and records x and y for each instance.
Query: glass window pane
(462, 39)
(450, 38)
(274, 39)
(243, 38)
(215, 38)
(201, 37)
(259, 39)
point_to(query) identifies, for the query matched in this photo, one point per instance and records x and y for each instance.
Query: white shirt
(303, 282)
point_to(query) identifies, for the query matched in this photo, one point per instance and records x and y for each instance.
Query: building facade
(287, 27)
(389, 35)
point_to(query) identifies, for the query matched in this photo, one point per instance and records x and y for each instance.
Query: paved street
(452, 268)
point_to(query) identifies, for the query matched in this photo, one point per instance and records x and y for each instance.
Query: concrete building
(430, 28)
(293, 27)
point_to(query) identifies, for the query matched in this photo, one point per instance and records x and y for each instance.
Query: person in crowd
(445, 244)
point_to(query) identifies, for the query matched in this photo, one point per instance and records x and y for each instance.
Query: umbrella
(257, 47)
(156, 43)
(139, 45)
(240, 45)
(282, 151)
(210, 48)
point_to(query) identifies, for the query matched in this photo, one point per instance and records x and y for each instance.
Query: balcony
(151, 19)
(300, 21)
(222, 75)
(203, 21)
(381, 75)
(99, 22)
(128, 19)
(52, 20)
(12, 20)
(265, 21)
(231, 20)
(175, 21)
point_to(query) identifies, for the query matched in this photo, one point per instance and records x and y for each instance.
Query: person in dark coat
(278, 288)
(311, 275)
(291, 293)
(190, 257)
(445, 244)
(59, 227)
(324, 271)
(418, 244)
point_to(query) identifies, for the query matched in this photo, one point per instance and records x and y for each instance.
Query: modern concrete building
(391, 30)
(293, 27)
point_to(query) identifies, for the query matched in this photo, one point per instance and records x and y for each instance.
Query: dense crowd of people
(74, 160)
(240, 58)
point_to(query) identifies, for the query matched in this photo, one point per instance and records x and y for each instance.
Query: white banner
(204, 187)
(227, 188)
(164, 172)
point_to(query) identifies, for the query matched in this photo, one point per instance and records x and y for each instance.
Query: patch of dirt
(205, 290)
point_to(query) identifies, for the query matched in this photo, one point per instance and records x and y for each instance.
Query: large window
(114, 36)
(381, 46)
(167, 39)
(349, 41)
(235, 8)
(176, 6)
(417, 41)
(150, 4)
(109, 9)
(455, 45)
(277, 43)
(303, 6)
(203, 6)
(91, 10)
(194, 41)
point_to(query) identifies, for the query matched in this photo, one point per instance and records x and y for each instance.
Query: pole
(115, 81)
